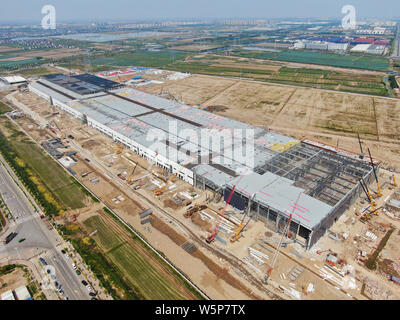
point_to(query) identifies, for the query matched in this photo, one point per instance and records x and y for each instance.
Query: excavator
(243, 225)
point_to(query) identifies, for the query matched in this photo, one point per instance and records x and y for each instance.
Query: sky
(134, 10)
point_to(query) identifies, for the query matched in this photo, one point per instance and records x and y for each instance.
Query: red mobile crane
(211, 237)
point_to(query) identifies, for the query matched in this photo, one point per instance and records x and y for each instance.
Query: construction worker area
(302, 222)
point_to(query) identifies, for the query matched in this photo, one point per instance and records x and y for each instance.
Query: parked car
(84, 283)
(89, 288)
(86, 159)
(43, 261)
(77, 271)
(74, 266)
(92, 294)
(93, 298)
(63, 251)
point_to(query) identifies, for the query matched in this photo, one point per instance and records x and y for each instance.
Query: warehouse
(276, 175)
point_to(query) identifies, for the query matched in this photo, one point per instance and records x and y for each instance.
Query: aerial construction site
(289, 218)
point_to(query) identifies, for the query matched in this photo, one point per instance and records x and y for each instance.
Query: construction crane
(59, 130)
(243, 225)
(211, 237)
(278, 248)
(362, 154)
(130, 178)
(393, 178)
(379, 193)
(366, 191)
(284, 234)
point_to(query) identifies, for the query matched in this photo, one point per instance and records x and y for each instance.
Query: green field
(137, 270)
(50, 174)
(4, 108)
(328, 59)
(147, 59)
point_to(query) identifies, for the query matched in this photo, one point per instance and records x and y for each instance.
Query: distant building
(376, 49)
(362, 48)
(337, 46)
(14, 80)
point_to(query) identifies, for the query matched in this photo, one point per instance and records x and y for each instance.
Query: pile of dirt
(268, 234)
(168, 231)
(168, 203)
(223, 273)
(203, 224)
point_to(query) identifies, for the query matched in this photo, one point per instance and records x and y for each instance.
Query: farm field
(329, 116)
(268, 71)
(45, 171)
(138, 267)
(329, 59)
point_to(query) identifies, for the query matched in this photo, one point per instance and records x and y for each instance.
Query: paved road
(39, 240)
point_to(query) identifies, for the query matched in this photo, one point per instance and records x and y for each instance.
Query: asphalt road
(40, 241)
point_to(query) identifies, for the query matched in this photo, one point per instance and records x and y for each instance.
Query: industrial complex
(278, 178)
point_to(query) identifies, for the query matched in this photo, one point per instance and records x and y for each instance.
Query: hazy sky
(130, 10)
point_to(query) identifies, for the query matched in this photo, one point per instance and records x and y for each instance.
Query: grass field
(148, 59)
(4, 108)
(136, 269)
(328, 59)
(317, 78)
(50, 174)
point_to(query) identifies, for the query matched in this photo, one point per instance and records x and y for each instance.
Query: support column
(258, 209)
(309, 240)
(277, 221)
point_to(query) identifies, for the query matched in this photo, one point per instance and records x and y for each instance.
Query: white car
(89, 288)
(74, 266)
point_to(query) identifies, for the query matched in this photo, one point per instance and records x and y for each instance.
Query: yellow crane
(394, 180)
(372, 203)
(379, 193)
(243, 225)
(130, 177)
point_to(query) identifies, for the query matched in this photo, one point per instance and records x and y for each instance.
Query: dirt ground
(12, 280)
(331, 117)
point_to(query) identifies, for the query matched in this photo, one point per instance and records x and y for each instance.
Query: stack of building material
(145, 213)
(189, 247)
(295, 273)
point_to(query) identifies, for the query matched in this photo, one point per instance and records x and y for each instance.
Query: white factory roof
(8, 295)
(13, 79)
(22, 293)
(281, 195)
(361, 48)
